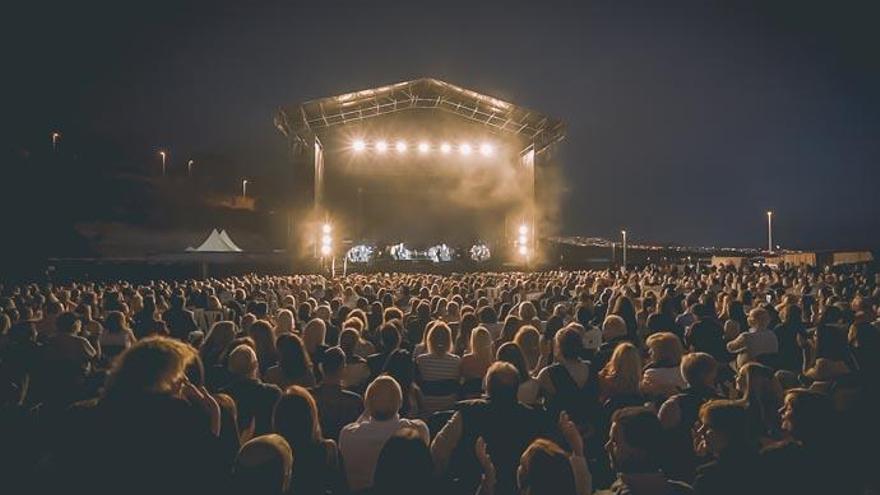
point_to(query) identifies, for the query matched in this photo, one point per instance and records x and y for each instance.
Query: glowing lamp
(325, 250)
(486, 149)
(523, 250)
(381, 146)
(523, 229)
(423, 147)
(326, 228)
(445, 148)
(465, 149)
(400, 146)
(326, 240)
(359, 145)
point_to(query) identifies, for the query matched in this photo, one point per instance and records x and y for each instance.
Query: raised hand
(200, 397)
(571, 434)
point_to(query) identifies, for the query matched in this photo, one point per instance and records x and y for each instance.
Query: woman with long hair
(788, 332)
(624, 308)
(439, 371)
(468, 323)
(476, 362)
(294, 364)
(264, 336)
(285, 322)
(117, 335)
(509, 329)
(316, 459)
(662, 376)
(529, 340)
(761, 394)
(619, 379)
(401, 367)
(529, 389)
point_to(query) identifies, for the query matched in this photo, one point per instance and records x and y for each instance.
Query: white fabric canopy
(217, 242)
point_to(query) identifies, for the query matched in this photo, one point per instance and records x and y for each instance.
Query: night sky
(686, 120)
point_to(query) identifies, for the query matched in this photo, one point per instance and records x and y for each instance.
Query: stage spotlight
(523, 229)
(326, 240)
(523, 240)
(465, 149)
(400, 146)
(325, 250)
(486, 149)
(359, 145)
(423, 147)
(523, 250)
(445, 148)
(381, 146)
(326, 228)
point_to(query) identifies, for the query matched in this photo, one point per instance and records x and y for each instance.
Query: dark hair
(404, 449)
(641, 430)
(389, 336)
(295, 418)
(731, 420)
(333, 361)
(292, 356)
(545, 469)
(509, 352)
(66, 322)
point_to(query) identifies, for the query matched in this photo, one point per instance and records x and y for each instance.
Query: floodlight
(326, 228)
(381, 146)
(400, 146)
(359, 145)
(325, 250)
(486, 149)
(424, 147)
(523, 229)
(445, 148)
(326, 240)
(523, 250)
(465, 149)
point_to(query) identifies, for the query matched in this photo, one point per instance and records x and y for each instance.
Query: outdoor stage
(420, 171)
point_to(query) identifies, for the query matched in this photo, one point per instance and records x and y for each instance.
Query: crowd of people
(650, 381)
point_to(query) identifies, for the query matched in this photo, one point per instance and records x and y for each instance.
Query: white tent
(217, 242)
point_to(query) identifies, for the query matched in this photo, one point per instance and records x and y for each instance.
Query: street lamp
(244, 188)
(55, 136)
(163, 155)
(189, 166)
(769, 231)
(623, 233)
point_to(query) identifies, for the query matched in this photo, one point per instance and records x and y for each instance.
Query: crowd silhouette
(656, 380)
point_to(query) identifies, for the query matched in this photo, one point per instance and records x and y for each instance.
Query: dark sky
(686, 120)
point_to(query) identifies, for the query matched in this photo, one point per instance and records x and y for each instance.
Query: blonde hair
(624, 368)
(529, 340)
(481, 344)
(665, 346)
(439, 339)
(313, 334)
(152, 365)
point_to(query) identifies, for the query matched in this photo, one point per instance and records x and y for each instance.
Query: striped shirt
(440, 375)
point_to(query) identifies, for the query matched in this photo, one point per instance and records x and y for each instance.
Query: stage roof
(298, 121)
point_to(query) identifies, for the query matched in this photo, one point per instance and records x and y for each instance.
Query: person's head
(665, 348)
(389, 336)
(511, 353)
(759, 319)
(292, 356)
(383, 398)
(67, 322)
(295, 417)
(481, 344)
(404, 464)
(527, 311)
(178, 301)
(243, 362)
(264, 337)
(699, 369)
(568, 344)
(400, 366)
(625, 368)
(115, 322)
(528, 339)
(313, 334)
(439, 339)
(502, 383)
(635, 440)
(545, 469)
(807, 415)
(613, 327)
(155, 365)
(333, 364)
(724, 428)
(757, 383)
(286, 321)
(832, 342)
(792, 315)
(218, 338)
(263, 466)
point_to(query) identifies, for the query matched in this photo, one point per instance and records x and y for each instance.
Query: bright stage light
(445, 148)
(326, 240)
(400, 146)
(523, 229)
(326, 228)
(381, 146)
(523, 250)
(486, 149)
(465, 149)
(359, 145)
(424, 147)
(523, 240)
(325, 250)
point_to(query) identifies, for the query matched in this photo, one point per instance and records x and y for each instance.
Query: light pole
(769, 231)
(55, 136)
(163, 155)
(623, 233)
(189, 166)
(244, 188)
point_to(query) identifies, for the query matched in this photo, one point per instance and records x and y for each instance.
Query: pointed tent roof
(217, 242)
(298, 121)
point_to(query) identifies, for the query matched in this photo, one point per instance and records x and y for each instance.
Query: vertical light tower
(189, 167)
(244, 183)
(162, 154)
(769, 231)
(55, 137)
(623, 233)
